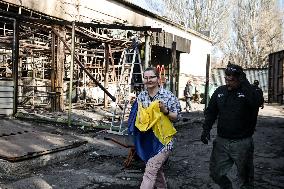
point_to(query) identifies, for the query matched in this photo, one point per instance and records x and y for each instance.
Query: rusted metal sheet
(18, 144)
(275, 77)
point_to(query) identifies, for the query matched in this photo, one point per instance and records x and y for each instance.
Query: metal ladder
(130, 77)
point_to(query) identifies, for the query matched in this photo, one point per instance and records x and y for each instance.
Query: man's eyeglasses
(150, 77)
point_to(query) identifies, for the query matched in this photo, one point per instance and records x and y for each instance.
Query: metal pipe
(71, 73)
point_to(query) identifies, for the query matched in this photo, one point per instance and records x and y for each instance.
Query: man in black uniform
(235, 105)
(259, 91)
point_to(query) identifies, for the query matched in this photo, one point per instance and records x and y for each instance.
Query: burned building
(39, 67)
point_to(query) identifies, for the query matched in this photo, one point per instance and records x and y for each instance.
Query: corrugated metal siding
(276, 84)
(218, 77)
(6, 97)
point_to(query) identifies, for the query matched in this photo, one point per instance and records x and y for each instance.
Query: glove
(205, 136)
(243, 79)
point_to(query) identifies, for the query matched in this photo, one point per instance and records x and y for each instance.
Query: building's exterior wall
(194, 63)
(56, 8)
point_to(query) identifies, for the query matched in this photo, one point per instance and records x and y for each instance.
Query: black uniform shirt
(234, 110)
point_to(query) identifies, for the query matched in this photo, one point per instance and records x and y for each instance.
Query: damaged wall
(196, 45)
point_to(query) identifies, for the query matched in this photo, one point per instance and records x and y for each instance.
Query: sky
(281, 4)
(154, 6)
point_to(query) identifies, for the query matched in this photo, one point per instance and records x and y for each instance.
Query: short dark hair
(153, 69)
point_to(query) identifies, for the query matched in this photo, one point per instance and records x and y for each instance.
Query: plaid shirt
(170, 101)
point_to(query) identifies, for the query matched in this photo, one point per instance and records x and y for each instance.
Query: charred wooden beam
(174, 71)
(98, 37)
(53, 76)
(15, 58)
(60, 59)
(35, 46)
(24, 35)
(83, 67)
(106, 65)
(6, 41)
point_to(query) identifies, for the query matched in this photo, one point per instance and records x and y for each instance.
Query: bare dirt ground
(187, 167)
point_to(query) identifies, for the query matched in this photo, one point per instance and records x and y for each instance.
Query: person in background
(259, 91)
(166, 84)
(197, 97)
(188, 95)
(153, 151)
(235, 105)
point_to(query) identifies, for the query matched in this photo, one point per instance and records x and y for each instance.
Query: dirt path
(187, 167)
(190, 162)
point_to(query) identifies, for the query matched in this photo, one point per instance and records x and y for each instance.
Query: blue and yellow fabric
(151, 129)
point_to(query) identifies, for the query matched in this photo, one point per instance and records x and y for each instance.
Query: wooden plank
(6, 83)
(6, 103)
(6, 94)
(6, 111)
(6, 89)
(60, 59)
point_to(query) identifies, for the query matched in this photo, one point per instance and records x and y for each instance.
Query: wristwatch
(167, 113)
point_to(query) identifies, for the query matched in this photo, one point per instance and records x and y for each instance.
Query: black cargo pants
(226, 153)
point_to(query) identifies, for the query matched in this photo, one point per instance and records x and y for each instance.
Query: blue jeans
(226, 153)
